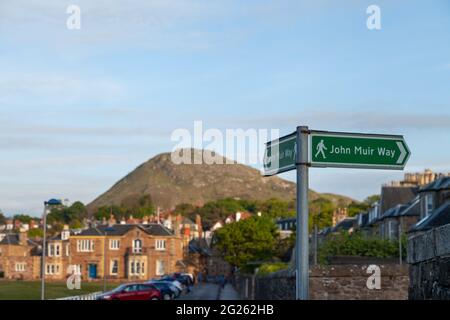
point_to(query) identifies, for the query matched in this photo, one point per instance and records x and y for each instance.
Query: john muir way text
(358, 150)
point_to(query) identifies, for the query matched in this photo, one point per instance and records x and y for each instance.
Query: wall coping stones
(428, 245)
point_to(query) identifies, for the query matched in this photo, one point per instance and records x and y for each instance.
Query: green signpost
(349, 150)
(280, 155)
(307, 148)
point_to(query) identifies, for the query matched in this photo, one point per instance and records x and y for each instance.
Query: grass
(31, 290)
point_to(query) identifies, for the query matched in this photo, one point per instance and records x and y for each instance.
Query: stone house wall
(429, 259)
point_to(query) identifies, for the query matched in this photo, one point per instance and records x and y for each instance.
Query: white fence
(89, 296)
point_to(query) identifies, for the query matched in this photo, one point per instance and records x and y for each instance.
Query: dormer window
(65, 235)
(429, 204)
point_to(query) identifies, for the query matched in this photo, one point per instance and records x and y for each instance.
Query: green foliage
(356, 244)
(357, 207)
(24, 218)
(247, 241)
(2, 218)
(276, 208)
(35, 233)
(60, 216)
(267, 268)
(132, 205)
(321, 213)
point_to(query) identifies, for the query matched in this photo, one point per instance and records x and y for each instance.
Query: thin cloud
(356, 120)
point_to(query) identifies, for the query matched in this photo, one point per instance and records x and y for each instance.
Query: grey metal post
(315, 244)
(400, 241)
(104, 261)
(302, 239)
(44, 247)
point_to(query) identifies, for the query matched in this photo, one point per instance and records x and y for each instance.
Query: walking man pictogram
(321, 149)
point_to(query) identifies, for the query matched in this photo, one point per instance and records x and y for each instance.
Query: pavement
(228, 293)
(210, 291)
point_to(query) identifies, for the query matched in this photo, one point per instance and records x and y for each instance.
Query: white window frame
(52, 268)
(136, 265)
(160, 265)
(113, 263)
(85, 245)
(20, 266)
(160, 244)
(137, 249)
(114, 244)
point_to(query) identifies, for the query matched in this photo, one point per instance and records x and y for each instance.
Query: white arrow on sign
(403, 152)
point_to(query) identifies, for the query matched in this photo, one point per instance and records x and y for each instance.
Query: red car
(133, 291)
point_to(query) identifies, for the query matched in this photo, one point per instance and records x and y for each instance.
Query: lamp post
(44, 245)
(104, 256)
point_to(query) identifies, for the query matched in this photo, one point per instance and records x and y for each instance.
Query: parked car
(174, 281)
(191, 276)
(133, 291)
(168, 290)
(184, 279)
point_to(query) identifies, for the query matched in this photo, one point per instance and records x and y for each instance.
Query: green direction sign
(348, 150)
(280, 155)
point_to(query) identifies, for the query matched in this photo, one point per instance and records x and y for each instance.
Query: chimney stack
(198, 222)
(23, 237)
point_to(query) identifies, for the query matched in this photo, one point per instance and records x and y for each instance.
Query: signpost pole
(302, 239)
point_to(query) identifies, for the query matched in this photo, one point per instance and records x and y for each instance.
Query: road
(210, 291)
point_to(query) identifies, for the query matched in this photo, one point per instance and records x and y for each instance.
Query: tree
(321, 213)
(24, 218)
(77, 211)
(249, 240)
(35, 233)
(2, 218)
(276, 208)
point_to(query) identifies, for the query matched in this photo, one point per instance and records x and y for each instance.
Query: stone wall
(333, 282)
(429, 259)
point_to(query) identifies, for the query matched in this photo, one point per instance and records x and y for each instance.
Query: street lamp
(104, 256)
(44, 245)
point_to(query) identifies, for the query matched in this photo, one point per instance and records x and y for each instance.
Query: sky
(79, 109)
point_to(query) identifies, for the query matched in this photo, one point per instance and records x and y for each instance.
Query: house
(286, 226)
(399, 219)
(347, 225)
(434, 205)
(20, 257)
(391, 196)
(131, 251)
(237, 217)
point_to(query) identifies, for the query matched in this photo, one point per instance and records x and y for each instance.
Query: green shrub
(357, 245)
(267, 268)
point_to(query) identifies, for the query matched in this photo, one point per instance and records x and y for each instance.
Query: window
(67, 250)
(160, 244)
(114, 244)
(114, 267)
(137, 267)
(51, 269)
(137, 246)
(20, 267)
(85, 245)
(54, 250)
(160, 268)
(429, 204)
